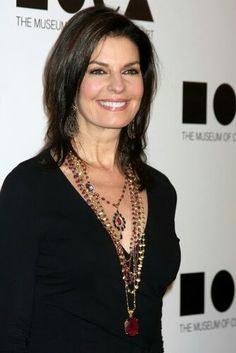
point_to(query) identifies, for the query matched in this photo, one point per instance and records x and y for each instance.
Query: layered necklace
(131, 264)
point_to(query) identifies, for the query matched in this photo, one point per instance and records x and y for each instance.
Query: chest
(78, 251)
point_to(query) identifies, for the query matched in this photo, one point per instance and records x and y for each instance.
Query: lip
(114, 105)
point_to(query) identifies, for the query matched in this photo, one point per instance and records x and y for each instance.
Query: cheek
(139, 89)
(89, 89)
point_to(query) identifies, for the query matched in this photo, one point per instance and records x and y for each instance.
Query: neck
(98, 150)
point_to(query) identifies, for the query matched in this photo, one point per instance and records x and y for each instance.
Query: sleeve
(18, 253)
(173, 199)
(170, 202)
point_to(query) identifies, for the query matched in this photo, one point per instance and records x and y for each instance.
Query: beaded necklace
(118, 220)
(131, 265)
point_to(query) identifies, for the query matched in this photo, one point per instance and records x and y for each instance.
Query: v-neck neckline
(79, 196)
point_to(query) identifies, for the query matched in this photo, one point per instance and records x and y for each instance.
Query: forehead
(116, 49)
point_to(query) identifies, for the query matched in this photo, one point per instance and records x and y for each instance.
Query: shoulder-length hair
(64, 72)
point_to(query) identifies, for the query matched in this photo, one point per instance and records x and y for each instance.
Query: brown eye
(97, 72)
(131, 72)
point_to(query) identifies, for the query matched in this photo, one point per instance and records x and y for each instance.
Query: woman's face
(112, 88)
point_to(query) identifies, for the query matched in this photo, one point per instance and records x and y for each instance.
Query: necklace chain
(118, 220)
(131, 265)
(91, 186)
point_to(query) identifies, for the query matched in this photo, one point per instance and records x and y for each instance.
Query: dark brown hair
(64, 72)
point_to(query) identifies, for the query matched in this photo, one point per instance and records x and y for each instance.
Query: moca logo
(141, 12)
(195, 103)
(192, 292)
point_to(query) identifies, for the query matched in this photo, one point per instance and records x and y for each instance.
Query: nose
(116, 83)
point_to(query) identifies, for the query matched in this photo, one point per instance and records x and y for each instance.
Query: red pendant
(131, 326)
(119, 221)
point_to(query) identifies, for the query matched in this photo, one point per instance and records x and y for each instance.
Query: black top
(61, 282)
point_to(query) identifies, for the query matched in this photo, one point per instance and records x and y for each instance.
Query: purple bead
(89, 187)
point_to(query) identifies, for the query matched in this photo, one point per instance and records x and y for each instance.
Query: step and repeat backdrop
(192, 139)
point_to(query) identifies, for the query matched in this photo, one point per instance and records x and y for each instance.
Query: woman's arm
(18, 254)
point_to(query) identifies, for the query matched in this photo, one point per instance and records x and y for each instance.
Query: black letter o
(71, 6)
(224, 104)
(222, 291)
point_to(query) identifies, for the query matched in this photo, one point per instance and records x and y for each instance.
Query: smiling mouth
(113, 105)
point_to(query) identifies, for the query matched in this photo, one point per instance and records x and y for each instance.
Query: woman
(88, 244)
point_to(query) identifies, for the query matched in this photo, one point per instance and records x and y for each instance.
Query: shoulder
(25, 176)
(160, 189)
(156, 179)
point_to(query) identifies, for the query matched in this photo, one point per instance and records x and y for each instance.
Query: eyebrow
(106, 65)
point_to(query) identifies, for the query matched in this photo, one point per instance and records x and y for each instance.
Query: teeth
(113, 104)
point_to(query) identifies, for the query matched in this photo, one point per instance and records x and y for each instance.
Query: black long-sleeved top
(61, 287)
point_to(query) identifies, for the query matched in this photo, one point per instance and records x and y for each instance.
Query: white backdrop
(195, 41)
